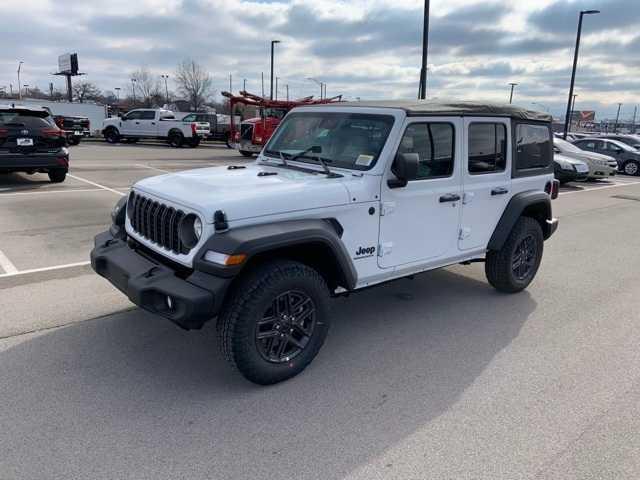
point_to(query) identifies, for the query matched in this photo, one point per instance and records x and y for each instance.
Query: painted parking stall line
(7, 265)
(43, 269)
(75, 177)
(47, 192)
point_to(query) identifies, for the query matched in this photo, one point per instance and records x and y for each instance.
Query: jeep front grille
(156, 222)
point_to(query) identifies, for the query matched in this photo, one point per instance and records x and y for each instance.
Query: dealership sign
(68, 63)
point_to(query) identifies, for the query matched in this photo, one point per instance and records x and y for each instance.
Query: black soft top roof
(452, 107)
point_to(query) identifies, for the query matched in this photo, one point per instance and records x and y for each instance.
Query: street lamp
(273, 42)
(513, 85)
(422, 90)
(573, 107)
(133, 89)
(575, 64)
(19, 90)
(166, 89)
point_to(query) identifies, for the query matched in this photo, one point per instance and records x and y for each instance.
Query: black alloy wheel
(524, 258)
(286, 327)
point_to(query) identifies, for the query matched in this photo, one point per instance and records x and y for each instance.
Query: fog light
(169, 301)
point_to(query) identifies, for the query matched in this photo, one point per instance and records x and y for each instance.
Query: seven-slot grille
(156, 222)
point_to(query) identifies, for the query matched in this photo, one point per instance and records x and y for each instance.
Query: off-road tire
(176, 139)
(57, 175)
(499, 263)
(244, 153)
(247, 304)
(631, 167)
(111, 135)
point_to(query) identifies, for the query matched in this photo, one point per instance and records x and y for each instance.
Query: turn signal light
(4, 132)
(193, 129)
(224, 259)
(52, 132)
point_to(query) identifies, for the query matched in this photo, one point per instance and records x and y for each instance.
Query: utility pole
(615, 126)
(573, 106)
(19, 88)
(287, 85)
(513, 85)
(573, 71)
(633, 122)
(230, 83)
(277, 78)
(133, 90)
(273, 42)
(262, 79)
(422, 90)
(244, 84)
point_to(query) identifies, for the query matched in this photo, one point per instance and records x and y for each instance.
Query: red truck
(253, 133)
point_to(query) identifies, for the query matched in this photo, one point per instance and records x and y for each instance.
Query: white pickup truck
(154, 123)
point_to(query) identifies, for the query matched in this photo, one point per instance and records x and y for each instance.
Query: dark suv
(31, 142)
(74, 127)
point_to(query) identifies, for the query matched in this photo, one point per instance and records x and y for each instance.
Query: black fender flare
(263, 238)
(531, 200)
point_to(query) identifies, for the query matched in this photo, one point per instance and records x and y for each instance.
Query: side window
(533, 146)
(135, 115)
(612, 147)
(587, 145)
(487, 147)
(189, 118)
(147, 115)
(433, 142)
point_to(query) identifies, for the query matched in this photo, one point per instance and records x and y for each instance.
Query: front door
(130, 124)
(486, 174)
(419, 222)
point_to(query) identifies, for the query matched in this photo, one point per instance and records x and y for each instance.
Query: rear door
(148, 125)
(486, 175)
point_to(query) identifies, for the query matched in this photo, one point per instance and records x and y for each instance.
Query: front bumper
(249, 147)
(148, 283)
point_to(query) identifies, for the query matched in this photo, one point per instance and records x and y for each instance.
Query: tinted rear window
(24, 119)
(533, 146)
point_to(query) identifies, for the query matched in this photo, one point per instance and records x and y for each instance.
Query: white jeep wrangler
(343, 196)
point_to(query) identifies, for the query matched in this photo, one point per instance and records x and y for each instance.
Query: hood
(586, 156)
(243, 193)
(562, 158)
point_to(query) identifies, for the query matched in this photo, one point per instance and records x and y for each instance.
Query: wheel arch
(315, 243)
(534, 204)
(175, 130)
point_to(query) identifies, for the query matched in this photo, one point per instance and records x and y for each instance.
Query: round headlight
(197, 227)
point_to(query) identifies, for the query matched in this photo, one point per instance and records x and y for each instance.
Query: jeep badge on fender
(293, 216)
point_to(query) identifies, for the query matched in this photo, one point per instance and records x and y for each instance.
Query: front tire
(58, 175)
(513, 267)
(632, 168)
(275, 322)
(112, 136)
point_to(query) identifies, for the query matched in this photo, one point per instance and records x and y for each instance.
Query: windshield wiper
(317, 149)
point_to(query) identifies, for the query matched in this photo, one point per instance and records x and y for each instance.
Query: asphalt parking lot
(439, 377)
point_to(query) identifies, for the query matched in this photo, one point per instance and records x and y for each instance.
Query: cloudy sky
(360, 48)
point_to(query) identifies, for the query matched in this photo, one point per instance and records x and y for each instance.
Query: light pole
(318, 82)
(19, 89)
(244, 84)
(166, 89)
(277, 78)
(26, 89)
(575, 65)
(615, 126)
(287, 85)
(513, 85)
(273, 42)
(573, 106)
(262, 80)
(422, 90)
(133, 89)
(633, 122)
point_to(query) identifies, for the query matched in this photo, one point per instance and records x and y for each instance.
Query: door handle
(153, 123)
(449, 197)
(499, 191)
(137, 123)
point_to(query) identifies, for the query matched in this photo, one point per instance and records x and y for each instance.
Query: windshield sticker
(364, 160)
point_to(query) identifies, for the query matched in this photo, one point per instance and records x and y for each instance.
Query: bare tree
(147, 87)
(194, 83)
(85, 91)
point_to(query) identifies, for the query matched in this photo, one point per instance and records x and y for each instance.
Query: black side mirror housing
(405, 167)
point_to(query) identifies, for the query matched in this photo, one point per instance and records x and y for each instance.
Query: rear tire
(176, 139)
(74, 140)
(513, 267)
(112, 136)
(275, 321)
(193, 143)
(244, 153)
(632, 168)
(57, 176)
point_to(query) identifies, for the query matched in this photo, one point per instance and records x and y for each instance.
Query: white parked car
(156, 124)
(342, 197)
(600, 166)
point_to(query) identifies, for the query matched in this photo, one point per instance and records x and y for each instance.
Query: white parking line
(595, 189)
(51, 191)
(37, 270)
(151, 168)
(96, 184)
(7, 265)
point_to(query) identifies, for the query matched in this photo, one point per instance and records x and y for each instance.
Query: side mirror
(405, 167)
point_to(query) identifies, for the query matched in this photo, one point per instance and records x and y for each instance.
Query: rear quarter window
(533, 146)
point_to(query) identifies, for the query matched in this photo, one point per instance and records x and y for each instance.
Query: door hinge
(467, 198)
(385, 249)
(387, 207)
(465, 232)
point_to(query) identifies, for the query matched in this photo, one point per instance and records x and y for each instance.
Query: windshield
(565, 146)
(346, 140)
(25, 118)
